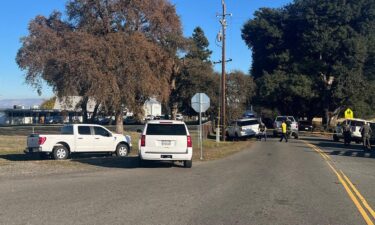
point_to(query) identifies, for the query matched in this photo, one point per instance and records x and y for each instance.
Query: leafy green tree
(199, 46)
(196, 75)
(240, 91)
(309, 42)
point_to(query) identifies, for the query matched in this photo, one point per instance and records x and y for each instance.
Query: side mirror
(139, 131)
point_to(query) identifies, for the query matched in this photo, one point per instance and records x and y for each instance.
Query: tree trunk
(94, 114)
(174, 110)
(173, 96)
(119, 122)
(84, 109)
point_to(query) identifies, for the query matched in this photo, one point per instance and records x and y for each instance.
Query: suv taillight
(143, 141)
(41, 140)
(189, 142)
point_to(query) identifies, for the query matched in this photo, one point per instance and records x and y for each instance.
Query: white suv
(355, 126)
(243, 128)
(166, 140)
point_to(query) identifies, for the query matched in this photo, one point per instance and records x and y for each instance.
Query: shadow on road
(100, 160)
(128, 162)
(339, 149)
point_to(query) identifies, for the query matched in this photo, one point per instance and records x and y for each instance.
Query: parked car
(166, 140)
(355, 125)
(305, 125)
(149, 117)
(130, 120)
(243, 128)
(293, 126)
(78, 138)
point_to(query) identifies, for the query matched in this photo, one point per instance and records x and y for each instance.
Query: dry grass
(12, 144)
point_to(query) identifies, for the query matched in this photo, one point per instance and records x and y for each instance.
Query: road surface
(269, 183)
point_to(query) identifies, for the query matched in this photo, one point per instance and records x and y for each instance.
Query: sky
(15, 16)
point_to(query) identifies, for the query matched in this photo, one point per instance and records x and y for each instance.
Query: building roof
(71, 103)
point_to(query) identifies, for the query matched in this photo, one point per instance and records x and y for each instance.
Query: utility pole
(223, 23)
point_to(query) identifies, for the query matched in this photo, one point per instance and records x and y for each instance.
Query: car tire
(122, 150)
(60, 152)
(357, 142)
(188, 163)
(295, 136)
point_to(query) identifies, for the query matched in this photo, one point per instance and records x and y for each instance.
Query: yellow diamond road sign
(349, 114)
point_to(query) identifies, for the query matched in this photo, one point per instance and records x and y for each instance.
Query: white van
(166, 140)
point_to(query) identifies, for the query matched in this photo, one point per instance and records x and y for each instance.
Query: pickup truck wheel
(122, 150)
(60, 153)
(188, 163)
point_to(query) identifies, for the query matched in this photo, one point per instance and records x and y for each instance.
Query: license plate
(306, 128)
(165, 143)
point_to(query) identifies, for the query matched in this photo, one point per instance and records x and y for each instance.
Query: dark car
(305, 125)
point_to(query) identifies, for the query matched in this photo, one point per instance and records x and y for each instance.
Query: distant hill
(26, 102)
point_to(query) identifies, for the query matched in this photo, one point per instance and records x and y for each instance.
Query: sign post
(200, 102)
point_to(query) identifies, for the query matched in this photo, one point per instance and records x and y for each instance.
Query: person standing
(366, 134)
(283, 132)
(346, 133)
(262, 132)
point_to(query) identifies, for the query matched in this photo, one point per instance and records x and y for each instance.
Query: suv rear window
(166, 129)
(248, 122)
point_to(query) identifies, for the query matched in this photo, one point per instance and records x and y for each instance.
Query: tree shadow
(339, 149)
(99, 160)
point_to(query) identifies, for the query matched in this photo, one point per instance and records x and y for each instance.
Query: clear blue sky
(16, 14)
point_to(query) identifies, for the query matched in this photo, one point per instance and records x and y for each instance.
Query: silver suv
(292, 125)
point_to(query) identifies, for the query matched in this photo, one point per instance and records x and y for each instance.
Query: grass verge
(14, 145)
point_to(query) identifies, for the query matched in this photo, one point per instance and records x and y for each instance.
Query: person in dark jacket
(346, 133)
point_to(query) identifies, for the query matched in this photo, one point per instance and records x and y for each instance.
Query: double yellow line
(357, 198)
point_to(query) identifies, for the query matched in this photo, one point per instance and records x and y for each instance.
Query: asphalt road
(269, 183)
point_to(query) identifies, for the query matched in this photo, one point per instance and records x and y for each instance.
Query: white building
(152, 107)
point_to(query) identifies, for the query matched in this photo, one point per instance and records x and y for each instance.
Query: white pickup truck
(78, 138)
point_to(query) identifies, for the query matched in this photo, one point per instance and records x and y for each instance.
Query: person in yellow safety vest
(283, 132)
